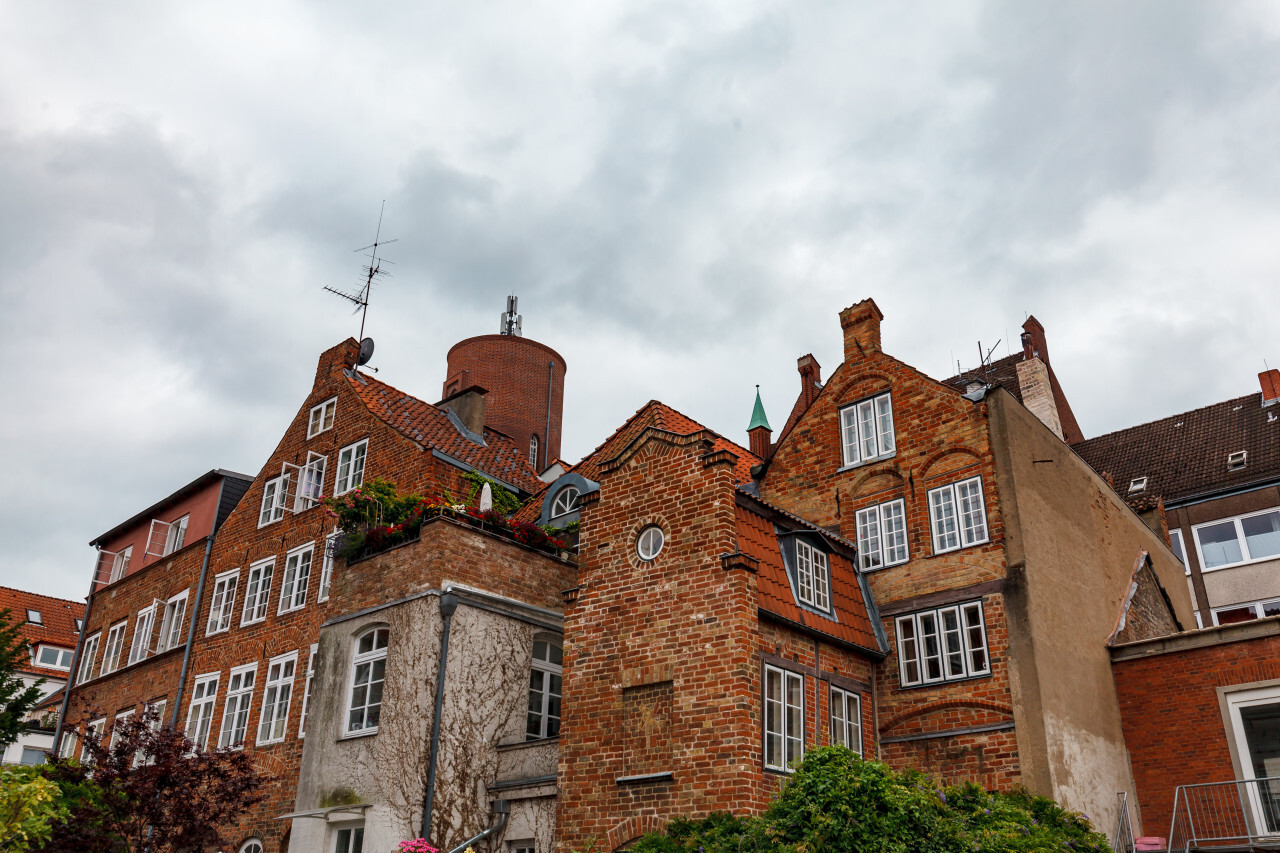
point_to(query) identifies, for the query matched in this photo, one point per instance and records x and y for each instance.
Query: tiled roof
(430, 426)
(58, 615)
(1002, 372)
(758, 539)
(1185, 456)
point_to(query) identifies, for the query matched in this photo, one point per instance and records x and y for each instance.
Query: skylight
(35, 617)
(1237, 460)
(1137, 484)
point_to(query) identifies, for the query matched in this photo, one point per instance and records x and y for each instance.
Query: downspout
(448, 604)
(546, 436)
(75, 665)
(502, 809)
(195, 611)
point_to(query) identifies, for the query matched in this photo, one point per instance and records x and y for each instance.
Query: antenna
(360, 298)
(511, 322)
(986, 359)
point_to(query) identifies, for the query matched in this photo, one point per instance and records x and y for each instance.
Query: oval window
(566, 502)
(650, 542)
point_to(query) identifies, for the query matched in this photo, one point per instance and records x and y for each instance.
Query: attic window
(1237, 460)
(79, 625)
(1137, 484)
(34, 617)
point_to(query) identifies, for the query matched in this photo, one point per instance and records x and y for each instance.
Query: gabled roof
(58, 615)
(1184, 457)
(432, 427)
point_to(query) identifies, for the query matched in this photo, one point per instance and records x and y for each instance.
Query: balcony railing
(1243, 814)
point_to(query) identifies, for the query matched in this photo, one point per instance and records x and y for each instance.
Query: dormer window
(1237, 460)
(566, 502)
(813, 578)
(866, 430)
(322, 417)
(1137, 484)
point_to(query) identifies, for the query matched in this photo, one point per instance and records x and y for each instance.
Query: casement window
(116, 732)
(310, 482)
(813, 579)
(944, 644)
(93, 732)
(223, 603)
(533, 451)
(87, 654)
(70, 740)
(882, 535)
(154, 715)
(177, 534)
(200, 714)
(1238, 540)
(235, 716)
(321, 417)
(120, 563)
(522, 846)
(274, 498)
(297, 576)
(566, 502)
(545, 675)
(175, 611)
(306, 690)
(253, 845)
(165, 537)
(649, 543)
(278, 691)
(350, 467)
(957, 515)
(349, 839)
(866, 430)
(54, 657)
(1175, 545)
(783, 718)
(142, 629)
(846, 719)
(1246, 612)
(115, 645)
(326, 567)
(368, 671)
(257, 591)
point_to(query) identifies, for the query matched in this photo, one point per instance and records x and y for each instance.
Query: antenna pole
(360, 298)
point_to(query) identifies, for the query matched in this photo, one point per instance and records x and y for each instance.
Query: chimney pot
(1270, 382)
(468, 405)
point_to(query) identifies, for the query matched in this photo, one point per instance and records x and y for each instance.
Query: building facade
(51, 627)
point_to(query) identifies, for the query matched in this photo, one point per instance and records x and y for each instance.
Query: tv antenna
(372, 270)
(985, 360)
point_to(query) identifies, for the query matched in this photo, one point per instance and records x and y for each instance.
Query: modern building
(51, 627)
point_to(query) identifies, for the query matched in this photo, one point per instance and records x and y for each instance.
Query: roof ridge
(1171, 417)
(41, 595)
(816, 527)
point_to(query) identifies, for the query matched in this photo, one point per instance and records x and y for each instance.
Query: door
(1255, 717)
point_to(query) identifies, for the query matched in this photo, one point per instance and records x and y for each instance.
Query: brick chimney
(1270, 382)
(810, 380)
(336, 359)
(1034, 344)
(759, 430)
(861, 326)
(468, 405)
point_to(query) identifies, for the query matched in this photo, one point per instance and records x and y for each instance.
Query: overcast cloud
(683, 195)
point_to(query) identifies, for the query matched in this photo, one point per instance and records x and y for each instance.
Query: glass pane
(868, 538)
(942, 513)
(557, 655)
(1219, 544)
(1231, 615)
(1175, 543)
(952, 642)
(884, 423)
(867, 429)
(893, 520)
(1262, 535)
(849, 435)
(539, 650)
(1270, 608)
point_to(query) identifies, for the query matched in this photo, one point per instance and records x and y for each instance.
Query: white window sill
(1272, 559)
(217, 631)
(849, 466)
(258, 621)
(891, 565)
(961, 548)
(290, 610)
(359, 734)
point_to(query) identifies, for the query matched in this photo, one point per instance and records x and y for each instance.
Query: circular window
(566, 502)
(253, 845)
(650, 542)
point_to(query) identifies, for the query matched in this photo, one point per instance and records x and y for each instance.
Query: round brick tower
(525, 381)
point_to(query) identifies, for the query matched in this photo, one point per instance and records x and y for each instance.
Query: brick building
(51, 627)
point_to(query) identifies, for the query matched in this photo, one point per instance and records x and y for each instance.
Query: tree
(30, 808)
(149, 788)
(16, 698)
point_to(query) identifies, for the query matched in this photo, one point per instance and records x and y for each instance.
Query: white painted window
(297, 577)
(116, 732)
(533, 451)
(115, 645)
(154, 712)
(1237, 460)
(54, 657)
(1246, 612)
(87, 653)
(177, 534)
(522, 846)
(93, 732)
(235, 716)
(545, 676)
(175, 611)
(253, 845)
(326, 567)
(349, 839)
(866, 430)
(882, 535)
(311, 482)
(1238, 540)
(321, 417)
(142, 629)
(223, 603)
(783, 718)
(649, 543)
(813, 579)
(350, 467)
(274, 497)
(67, 747)
(944, 644)
(278, 691)
(165, 537)
(846, 719)
(958, 515)
(257, 591)
(368, 671)
(120, 563)
(1175, 545)
(566, 502)
(204, 695)
(306, 690)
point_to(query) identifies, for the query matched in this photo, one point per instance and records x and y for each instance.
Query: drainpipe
(75, 664)
(546, 436)
(448, 604)
(195, 611)
(502, 809)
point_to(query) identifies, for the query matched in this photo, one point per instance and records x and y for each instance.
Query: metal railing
(1242, 813)
(1122, 841)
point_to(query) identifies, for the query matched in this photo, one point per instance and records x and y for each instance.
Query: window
(349, 839)
(866, 430)
(650, 543)
(544, 688)
(321, 417)
(177, 535)
(273, 500)
(1237, 460)
(1137, 484)
(306, 690)
(175, 610)
(235, 717)
(154, 712)
(142, 634)
(882, 535)
(93, 732)
(79, 625)
(945, 644)
(33, 756)
(350, 467)
(253, 845)
(369, 668)
(522, 846)
(115, 645)
(812, 578)
(783, 718)
(54, 657)
(224, 601)
(1242, 539)
(120, 564)
(1245, 612)
(67, 747)
(275, 698)
(1175, 545)
(35, 617)
(326, 567)
(257, 593)
(311, 482)
(115, 728)
(957, 515)
(297, 575)
(846, 719)
(200, 715)
(533, 451)
(566, 501)
(87, 655)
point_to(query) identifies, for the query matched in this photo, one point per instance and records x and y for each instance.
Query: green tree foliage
(837, 803)
(30, 807)
(16, 698)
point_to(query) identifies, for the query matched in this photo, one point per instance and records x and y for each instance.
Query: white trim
(120, 563)
(235, 714)
(114, 646)
(38, 652)
(277, 697)
(646, 548)
(1235, 702)
(942, 644)
(1258, 607)
(204, 700)
(326, 568)
(175, 609)
(543, 696)
(813, 576)
(146, 621)
(352, 461)
(777, 710)
(87, 653)
(1241, 541)
(274, 497)
(867, 431)
(359, 659)
(849, 718)
(953, 522)
(564, 503)
(872, 525)
(257, 591)
(222, 602)
(321, 417)
(306, 691)
(295, 580)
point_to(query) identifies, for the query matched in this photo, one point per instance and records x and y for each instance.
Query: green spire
(757, 415)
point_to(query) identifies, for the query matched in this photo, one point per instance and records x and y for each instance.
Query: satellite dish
(366, 351)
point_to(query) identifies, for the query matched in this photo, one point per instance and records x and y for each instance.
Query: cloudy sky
(683, 195)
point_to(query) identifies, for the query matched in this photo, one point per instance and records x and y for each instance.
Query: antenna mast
(372, 270)
(511, 322)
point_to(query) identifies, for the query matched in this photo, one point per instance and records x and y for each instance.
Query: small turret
(758, 430)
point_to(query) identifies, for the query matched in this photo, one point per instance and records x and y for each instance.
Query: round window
(566, 502)
(650, 542)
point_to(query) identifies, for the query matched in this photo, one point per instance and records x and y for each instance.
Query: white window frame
(177, 535)
(952, 526)
(223, 602)
(350, 474)
(59, 654)
(87, 653)
(866, 430)
(1241, 540)
(326, 568)
(204, 698)
(115, 724)
(251, 845)
(813, 576)
(354, 831)
(257, 591)
(241, 682)
(546, 691)
(277, 696)
(114, 646)
(566, 501)
(533, 451)
(35, 617)
(306, 691)
(359, 659)
(943, 644)
(143, 628)
(120, 563)
(1237, 460)
(322, 417)
(96, 727)
(1179, 547)
(845, 715)
(175, 614)
(649, 543)
(296, 578)
(1258, 607)
(275, 493)
(882, 535)
(1137, 484)
(776, 719)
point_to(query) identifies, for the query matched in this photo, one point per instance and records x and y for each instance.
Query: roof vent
(1237, 460)
(1137, 484)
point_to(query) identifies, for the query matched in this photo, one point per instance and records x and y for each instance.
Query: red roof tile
(58, 616)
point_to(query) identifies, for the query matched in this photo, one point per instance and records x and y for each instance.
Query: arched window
(253, 845)
(544, 688)
(533, 451)
(368, 671)
(566, 501)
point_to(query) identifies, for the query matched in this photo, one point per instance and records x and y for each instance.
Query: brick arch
(889, 470)
(945, 705)
(841, 395)
(943, 454)
(632, 828)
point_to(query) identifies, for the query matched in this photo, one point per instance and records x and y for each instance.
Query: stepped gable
(58, 615)
(430, 426)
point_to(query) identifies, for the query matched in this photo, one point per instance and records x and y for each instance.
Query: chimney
(1034, 344)
(336, 359)
(758, 430)
(861, 326)
(468, 405)
(1270, 382)
(810, 380)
